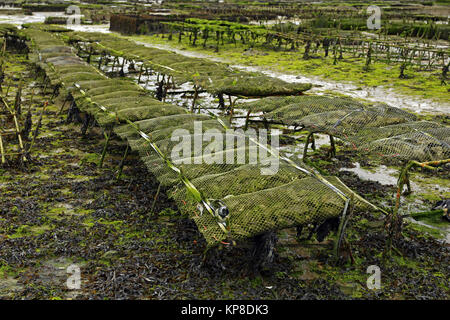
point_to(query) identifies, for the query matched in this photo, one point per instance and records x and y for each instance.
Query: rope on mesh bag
(219, 212)
(443, 143)
(320, 178)
(312, 173)
(120, 54)
(218, 209)
(349, 201)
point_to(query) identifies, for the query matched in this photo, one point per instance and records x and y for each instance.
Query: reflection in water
(20, 19)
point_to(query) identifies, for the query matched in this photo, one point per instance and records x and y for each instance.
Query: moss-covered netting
(215, 77)
(232, 200)
(377, 129)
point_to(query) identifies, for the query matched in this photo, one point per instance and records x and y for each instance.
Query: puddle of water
(19, 19)
(101, 28)
(382, 174)
(388, 176)
(280, 19)
(446, 231)
(9, 8)
(294, 151)
(39, 17)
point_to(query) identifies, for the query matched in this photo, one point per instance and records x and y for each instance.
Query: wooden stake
(156, 198)
(107, 137)
(122, 162)
(195, 97)
(2, 150)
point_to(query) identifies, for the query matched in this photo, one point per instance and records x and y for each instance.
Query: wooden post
(38, 125)
(100, 61)
(107, 137)
(114, 64)
(140, 73)
(402, 180)
(154, 200)
(195, 97)
(333, 147)
(63, 105)
(122, 162)
(121, 72)
(2, 150)
(346, 213)
(305, 150)
(247, 119)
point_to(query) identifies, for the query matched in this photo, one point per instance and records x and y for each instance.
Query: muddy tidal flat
(100, 200)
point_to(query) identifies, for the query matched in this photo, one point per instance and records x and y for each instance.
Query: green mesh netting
(7, 28)
(215, 77)
(371, 128)
(294, 194)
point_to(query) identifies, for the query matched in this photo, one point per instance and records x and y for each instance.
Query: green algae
(351, 283)
(28, 231)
